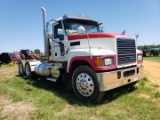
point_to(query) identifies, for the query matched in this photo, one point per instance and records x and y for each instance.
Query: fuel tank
(43, 69)
(48, 70)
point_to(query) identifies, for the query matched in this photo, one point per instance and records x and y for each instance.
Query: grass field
(5, 66)
(45, 100)
(153, 59)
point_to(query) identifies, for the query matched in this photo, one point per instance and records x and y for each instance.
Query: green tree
(37, 51)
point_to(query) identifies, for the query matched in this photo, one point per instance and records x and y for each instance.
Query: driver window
(58, 32)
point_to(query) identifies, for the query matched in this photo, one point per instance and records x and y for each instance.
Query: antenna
(89, 43)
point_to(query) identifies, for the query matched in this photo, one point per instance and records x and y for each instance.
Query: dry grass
(22, 99)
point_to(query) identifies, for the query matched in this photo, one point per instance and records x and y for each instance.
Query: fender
(92, 62)
(32, 64)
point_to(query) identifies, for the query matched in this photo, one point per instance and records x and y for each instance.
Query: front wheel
(85, 84)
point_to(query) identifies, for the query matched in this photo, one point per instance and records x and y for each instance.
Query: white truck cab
(89, 60)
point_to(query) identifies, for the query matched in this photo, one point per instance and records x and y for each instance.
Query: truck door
(57, 42)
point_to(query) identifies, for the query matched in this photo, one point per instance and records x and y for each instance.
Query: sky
(21, 25)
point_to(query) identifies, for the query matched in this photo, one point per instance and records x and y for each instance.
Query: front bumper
(117, 78)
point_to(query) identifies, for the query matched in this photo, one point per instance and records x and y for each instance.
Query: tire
(29, 74)
(148, 54)
(21, 69)
(85, 85)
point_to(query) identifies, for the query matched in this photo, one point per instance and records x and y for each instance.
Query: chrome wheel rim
(85, 84)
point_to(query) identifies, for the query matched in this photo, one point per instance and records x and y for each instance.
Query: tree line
(148, 46)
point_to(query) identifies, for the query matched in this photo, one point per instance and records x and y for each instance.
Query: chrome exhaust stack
(46, 41)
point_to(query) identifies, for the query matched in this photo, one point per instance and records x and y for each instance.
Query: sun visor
(80, 17)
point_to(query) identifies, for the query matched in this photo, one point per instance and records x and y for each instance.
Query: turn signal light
(99, 62)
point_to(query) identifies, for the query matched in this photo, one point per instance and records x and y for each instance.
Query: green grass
(143, 81)
(157, 94)
(3, 66)
(153, 59)
(56, 103)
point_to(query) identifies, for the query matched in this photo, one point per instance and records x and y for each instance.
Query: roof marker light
(67, 14)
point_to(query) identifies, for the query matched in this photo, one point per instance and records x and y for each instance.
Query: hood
(95, 35)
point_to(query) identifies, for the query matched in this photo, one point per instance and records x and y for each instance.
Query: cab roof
(80, 17)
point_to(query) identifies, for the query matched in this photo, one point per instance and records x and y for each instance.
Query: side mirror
(81, 30)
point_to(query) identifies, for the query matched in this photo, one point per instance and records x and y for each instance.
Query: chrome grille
(126, 49)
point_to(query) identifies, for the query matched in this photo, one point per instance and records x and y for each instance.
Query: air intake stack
(46, 41)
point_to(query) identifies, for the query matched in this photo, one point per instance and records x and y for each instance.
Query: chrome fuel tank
(43, 69)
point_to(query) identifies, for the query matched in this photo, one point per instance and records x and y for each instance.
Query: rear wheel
(28, 72)
(21, 69)
(85, 85)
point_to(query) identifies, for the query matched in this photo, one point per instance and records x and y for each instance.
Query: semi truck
(81, 56)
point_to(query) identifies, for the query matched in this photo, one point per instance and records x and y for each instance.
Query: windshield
(26, 52)
(71, 26)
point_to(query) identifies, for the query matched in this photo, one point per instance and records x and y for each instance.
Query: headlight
(108, 61)
(101, 62)
(140, 58)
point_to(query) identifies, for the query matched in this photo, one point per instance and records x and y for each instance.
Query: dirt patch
(5, 100)
(152, 71)
(8, 109)
(19, 110)
(9, 70)
(145, 96)
(67, 108)
(8, 73)
(70, 109)
(95, 118)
